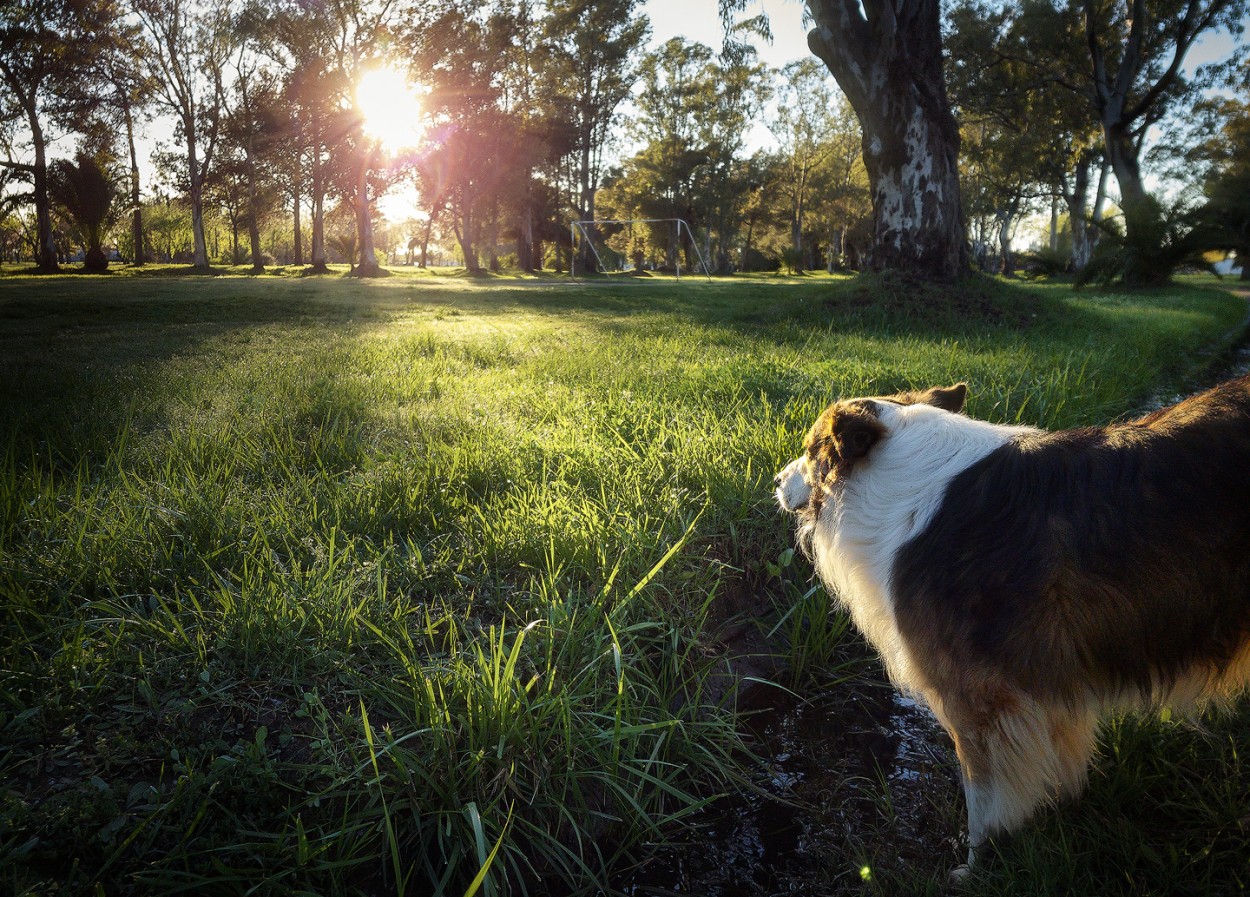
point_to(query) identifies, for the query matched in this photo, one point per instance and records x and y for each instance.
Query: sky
(699, 20)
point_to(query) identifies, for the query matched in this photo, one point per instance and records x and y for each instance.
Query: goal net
(585, 230)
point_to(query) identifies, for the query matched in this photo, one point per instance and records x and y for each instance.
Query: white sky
(699, 20)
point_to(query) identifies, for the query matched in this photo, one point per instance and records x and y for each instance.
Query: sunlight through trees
(472, 132)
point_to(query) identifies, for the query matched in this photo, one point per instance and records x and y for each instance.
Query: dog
(1025, 583)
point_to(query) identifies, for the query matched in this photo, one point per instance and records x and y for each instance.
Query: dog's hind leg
(1014, 762)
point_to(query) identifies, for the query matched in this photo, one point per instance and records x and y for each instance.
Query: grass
(422, 585)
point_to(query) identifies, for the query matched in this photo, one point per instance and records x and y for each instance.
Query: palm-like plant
(88, 195)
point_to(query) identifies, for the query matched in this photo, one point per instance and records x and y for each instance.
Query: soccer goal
(579, 227)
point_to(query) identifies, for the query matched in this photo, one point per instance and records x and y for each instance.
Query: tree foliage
(539, 113)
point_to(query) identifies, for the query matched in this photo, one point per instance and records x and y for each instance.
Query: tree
(330, 45)
(130, 90)
(842, 207)
(360, 32)
(302, 35)
(1136, 51)
(694, 110)
(1024, 138)
(592, 46)
(675, 104)
(723, 182)
(1226, 183)
(45, 47)
(188, 45)
(470, 155)
(887, 58)
(803, 120)
(538, 138)
(85, 189)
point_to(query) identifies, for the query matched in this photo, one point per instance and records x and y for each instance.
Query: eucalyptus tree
(188, 46)
(887, 58)
(593, 49)
(675, 101)
(540, 135)
(694, 109)
(740, 88)
(326, 46)
(253, 125)
(843, 205)
(46, 47)
(301, 40)
(463, 48)
(1025, 139)
(804, 117)
(1135, 75)
(359, 33)
(128, 94)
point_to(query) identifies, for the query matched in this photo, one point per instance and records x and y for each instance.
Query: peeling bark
(887, 58)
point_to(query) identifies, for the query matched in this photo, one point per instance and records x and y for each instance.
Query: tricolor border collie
(1025, 583)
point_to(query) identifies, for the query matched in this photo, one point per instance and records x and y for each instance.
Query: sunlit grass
(317, 584)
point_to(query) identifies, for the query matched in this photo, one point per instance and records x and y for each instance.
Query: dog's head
(843, 439)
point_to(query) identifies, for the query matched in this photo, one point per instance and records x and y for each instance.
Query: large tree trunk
(319, 261)
(46, 251)
(299, 236)
(364, 219)
(136, 215)
(888, 62)
(195, 177)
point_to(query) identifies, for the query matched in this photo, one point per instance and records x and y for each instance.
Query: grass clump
(421, 585)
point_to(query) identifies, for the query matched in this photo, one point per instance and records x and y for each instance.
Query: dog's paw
(957, 876)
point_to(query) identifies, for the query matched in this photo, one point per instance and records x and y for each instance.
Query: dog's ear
(950, 398)
(850, 437)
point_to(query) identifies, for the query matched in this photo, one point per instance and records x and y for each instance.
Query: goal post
(579, 227)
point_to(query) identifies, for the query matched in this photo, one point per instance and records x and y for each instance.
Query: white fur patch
(886, 501)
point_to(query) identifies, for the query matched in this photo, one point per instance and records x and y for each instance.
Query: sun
(391, 107)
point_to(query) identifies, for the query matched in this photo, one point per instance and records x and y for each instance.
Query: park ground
(435, 584)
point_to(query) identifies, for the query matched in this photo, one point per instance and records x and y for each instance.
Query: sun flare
(391, 107)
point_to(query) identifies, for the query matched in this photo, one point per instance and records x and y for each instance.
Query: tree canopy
(917, 138)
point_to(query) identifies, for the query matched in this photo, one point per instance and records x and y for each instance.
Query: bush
(754, 260)
(1148, 246)
(1045, 263)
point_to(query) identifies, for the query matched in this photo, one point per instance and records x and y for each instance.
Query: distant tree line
(911, 140)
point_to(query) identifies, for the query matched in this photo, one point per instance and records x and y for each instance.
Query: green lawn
(422, 584)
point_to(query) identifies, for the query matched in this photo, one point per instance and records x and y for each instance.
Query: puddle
(851, 781)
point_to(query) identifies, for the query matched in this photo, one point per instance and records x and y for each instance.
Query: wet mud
(852, 781)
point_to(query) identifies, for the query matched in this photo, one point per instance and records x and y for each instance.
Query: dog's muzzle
(792, 490)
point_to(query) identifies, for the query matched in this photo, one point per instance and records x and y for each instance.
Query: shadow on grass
(87, 342)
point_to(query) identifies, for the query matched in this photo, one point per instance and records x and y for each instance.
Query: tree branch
(1190, 27)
